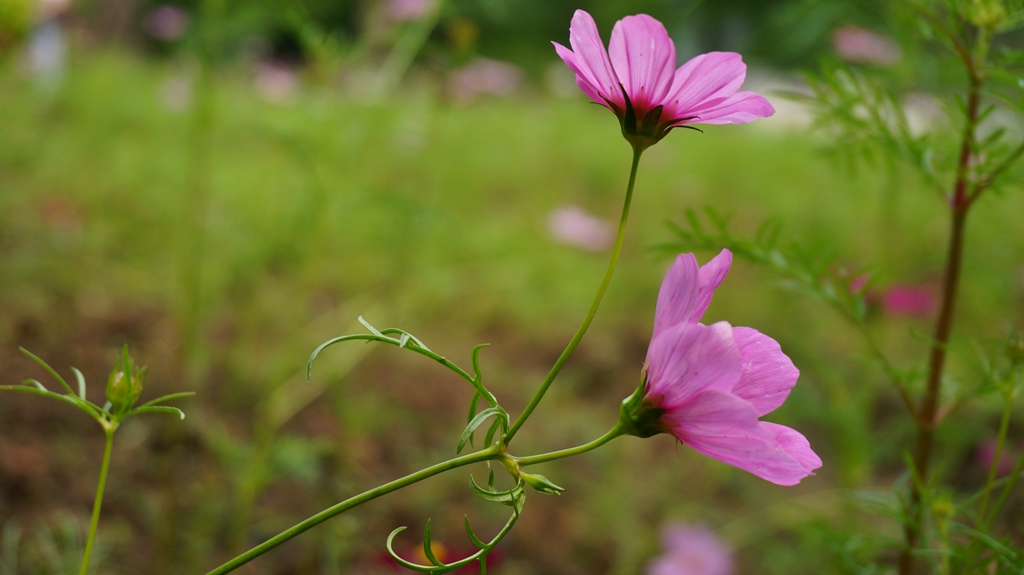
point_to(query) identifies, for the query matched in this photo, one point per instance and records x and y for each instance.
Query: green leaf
(476, 421)
(427, 550)
(167, 398)
(34, 387)
(473, 402)
(395, 556)
(158, 409)
(81, 382)
(49, 369)
(503, 497)
(372, 329)
(472, 536)
(494, 428)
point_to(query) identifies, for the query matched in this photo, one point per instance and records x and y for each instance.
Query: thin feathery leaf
(49, 369)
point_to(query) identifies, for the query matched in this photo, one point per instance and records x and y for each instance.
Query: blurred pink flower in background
(406, 10)
(856, 44)
(691, 550)
(276, 81)
(483, 76)
(50, 9)
(708, 385)
(637, 79)
(858, 283)
(574, 226)
(175, 94)
(986, 454)
(166, 22)
(909, 300)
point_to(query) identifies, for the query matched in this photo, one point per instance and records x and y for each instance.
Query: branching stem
(492, 452)
(926, 414)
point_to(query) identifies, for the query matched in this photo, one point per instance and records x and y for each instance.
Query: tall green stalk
(98, 501)
(926, 415)
(593, 306)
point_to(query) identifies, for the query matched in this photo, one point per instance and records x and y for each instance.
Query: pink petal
(592, 58)
(725, 427)
(678, 295)
(644, 58)
(795, 444)
(767, 374)
(740, 108)
(711, 276)
(571, 61)
(686, 290)
(705, 77)
(689, 358)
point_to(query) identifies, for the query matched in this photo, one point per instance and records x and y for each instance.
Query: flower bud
(943, 507)
(986, 13)
(124, 386)
(541, 483)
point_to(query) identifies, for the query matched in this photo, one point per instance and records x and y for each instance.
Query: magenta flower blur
(691, 550)
(708, 384)
(637, 79)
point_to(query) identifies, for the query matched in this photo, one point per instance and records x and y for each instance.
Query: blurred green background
(223, 185)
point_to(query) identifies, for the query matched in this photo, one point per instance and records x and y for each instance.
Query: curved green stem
(593, 307)
(544, 457)
(98, 502)
(493, 452)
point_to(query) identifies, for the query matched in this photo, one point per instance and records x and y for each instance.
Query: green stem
(544, 457)
(408, 45)
(1007, 489)
(593, 307)
(926, 416)
(1004, 426)
(493, 452)
(98, 502)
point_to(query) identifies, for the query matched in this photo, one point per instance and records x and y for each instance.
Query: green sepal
(636, 416)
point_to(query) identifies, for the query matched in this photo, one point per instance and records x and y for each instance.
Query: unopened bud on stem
(124, 386)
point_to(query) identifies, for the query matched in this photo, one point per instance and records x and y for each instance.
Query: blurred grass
(429, 217)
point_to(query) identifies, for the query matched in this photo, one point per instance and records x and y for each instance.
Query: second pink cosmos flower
(637, 79)
(708, 384)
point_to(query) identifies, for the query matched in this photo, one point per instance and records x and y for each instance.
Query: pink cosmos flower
(909, 300)
(637, 79)
(691, 550)
(407, 10)
(575, 226)
(856, 44)
(708, 384)
(483, 76)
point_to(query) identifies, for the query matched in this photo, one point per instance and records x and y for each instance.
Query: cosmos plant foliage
(705, 385)
(708, 385)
